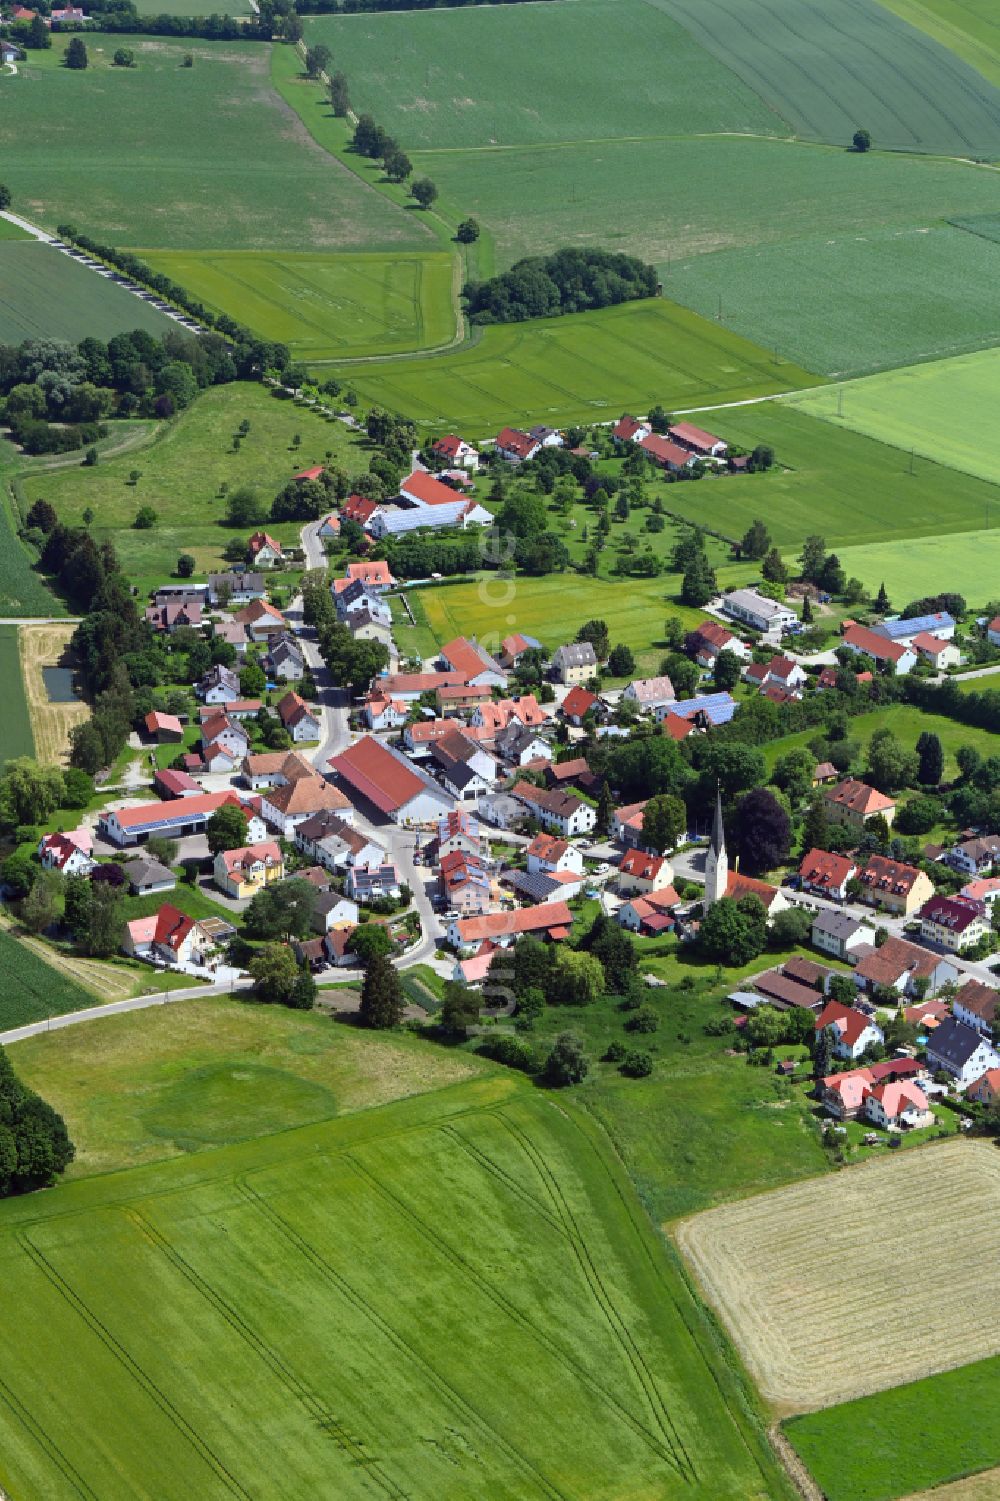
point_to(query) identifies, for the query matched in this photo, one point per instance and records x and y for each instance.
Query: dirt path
(800, 1476)
(101, 980)
(42, 646)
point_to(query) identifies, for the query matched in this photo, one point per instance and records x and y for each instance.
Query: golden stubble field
(43, 646)
(855, 1282)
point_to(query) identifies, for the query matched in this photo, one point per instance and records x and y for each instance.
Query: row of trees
(374, 141)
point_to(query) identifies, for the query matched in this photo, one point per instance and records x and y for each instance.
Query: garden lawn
(883, 1446)
(827, 70)
(182, 158)
(945, 411)
(31, 990)
(578, 368)
(16, 738)
(484, 75)
(827, 479)
(905, 722)
(153, 1084)
(324, 306)
(44, 294)
(915, 567)
(256, 1320)
(182, 469)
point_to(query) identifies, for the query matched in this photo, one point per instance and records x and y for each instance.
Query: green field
(908, 724)
(901, 1440)
(10, 231)
(292, 1315)
(914, 567)
(192, 8)
(824, 481)
(900, 296)
(825, 69)
(484, 75)
(970, 28)
(324, 306)
(182, 470)
(31, 990)
(46, 295)
(945, 410)
(585, 366)
(22, 591)
(16, 738)
(182, 158)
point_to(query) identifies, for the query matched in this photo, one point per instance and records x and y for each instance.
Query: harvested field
(984, 1487)
(43, 646)
(872, 1239)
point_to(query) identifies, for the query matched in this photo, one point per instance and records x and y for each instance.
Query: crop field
(970, 28)
(16, 738)
(858, 1236)
(30, 989)
(913, 567)
(900, 296)
(46, 295)
(183, 158)
(483, 75)
(324, 306)
(10, 231)
(920, 1434)
(191, 8)
(256, 1320)
(582, 367)
(944, 410)
(849, 488)
(825, 70)
(982, 1487)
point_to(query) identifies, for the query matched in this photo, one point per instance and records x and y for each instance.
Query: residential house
(456, 700)
(973, 857)
(235, 587)
(574, 663)
(168, 783)
(705, 712)
(902, 966)
(954, 922)
(993, 631)
(894, 887)
(578, 703)
(334, 844)
(576, 773)
(851, 803)
(232, 633)
(826, 874)
(464, 768)
(275, 768)
(365, 626)
(986, 1089)
(171, 937)
(960, 1051)
(237, 710)
(705, 445)
(630, 430)
(521, 747)
(263, 551)
(464, 883)
(780, 672)
(547, 437)
(375, 575)
(939, 624)
(840, 935)
(219, 730)
(384, 713)
(976, 1005)
(650, 914)
(899, 1105)
(334, 911)
(705, 644)
(173, 617)
(368, 883)
(516, 447)
(940, 654)
(70, 853)
(824, 773)
(455, 453)
(285, 807)
(641, 873)
(457, 831)
(502, 810)
(285, 661)
(770, 897)
(666, 455)
(650, 693)
(843, 1095)
(513, 648)
(261, 620)
(546, 854)
(559, 811)
(477, 668)
(243, 872)
(757, 611)
(301, 721)
(498, 714)
(549, 920)
(148, 877)
(851, 1031)
(895, 656)
(220, 685)
(986, 890)
(385, 778)
(328, 527)
(165, 729)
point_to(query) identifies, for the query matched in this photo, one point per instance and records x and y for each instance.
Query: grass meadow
(46, 295)
(292, 1314)
(848, 487)
(921, 1434)
(16, 738)
(324, 306)
(582, 367)
(31, 990)
(824, 70)
(912, 567)
(182, 158)
(9, 231)
(484, 75)
(907, 724)
(945, 411)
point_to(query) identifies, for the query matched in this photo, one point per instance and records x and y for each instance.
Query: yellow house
(241, 873)
(852, 803)
(893, 886)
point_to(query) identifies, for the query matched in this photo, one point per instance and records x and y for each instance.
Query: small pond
(59, 685)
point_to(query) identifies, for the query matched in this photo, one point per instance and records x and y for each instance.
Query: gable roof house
(898, 1105)
(330, 840)
(516, 447)
(841, 935)
(893, 886)
(650, 693)
(548, 920)
(954, 922)
(852, 803)
(974, 856)
(263, 551)
(666, 455)
(939, 623)
(560, 811)
(383, 777)
(384, 713)
(641, 873)
(285, 660)
(301, 721)
(705, 445)
(474, 663)
(758, 612)
(575, 662)
(827, 874)
(578, 703)
(275, 768)
(939, 653)
(220, 685)
(513, 648)
(843, 1095)
(894, 655)
(521, 747)
(284, 807)
(650, 914)
(705, 643)
(147, 876)
(261, 620)
(976, 1005)
(898, 965)
(70, 853)
(630, 429)
(454, 452)
(235, 587)
(548, 853)
(165, 729)
(851, 1032)
(243, 872)
(960, 1051)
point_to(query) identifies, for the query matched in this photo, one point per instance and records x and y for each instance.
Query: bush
(510, 1051)
(643, 1020)
(616, 1053)
(636, 1065)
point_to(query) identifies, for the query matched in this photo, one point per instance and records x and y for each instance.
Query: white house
(547, 855)
(851, 1032)
(650, 693)
(839, 934)
(301, 722)
(757, 611)
(70, 853)
(560, 811)
(899, 1104)
(960, 1051)
(939, 653)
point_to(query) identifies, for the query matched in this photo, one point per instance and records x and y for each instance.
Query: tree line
(568, 281)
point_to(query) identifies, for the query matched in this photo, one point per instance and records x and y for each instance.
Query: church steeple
(716, 861)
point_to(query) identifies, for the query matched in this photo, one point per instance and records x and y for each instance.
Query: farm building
(382, 776)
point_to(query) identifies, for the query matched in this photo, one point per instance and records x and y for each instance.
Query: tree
(244, 508)
(6, 197)
(43, 516)
(773, 569)
(823, 1048)
(104, 931)
(882, 604)
(616, 951)
(756, 541)
(124, 58)
(812, 558)
(34, 1142)
(793, 773)
(621, 662)
(75, 55)
(145, 518)
(762, 833)
(397, 164)
(843, 989)
(274, 973)
(381, 995)
(39, 908)
(370, 941)
(605, 808)
(77, 902)
(683, 674)
(699, 583)
(282, 910)
(596, 632)
(577, 978)
(791, 928)
(303, 996)
(862, 140)
(727, 670)
(252, 680)
(340, 99)
(316, 59)
(931, 763)
(807, 611)
(762, 457)
(226, 829)
(731, 932)
(467, 232)
(459, 1009)
(424, 191)
(185, 565)
(567, 1063)
(664, 822)
(30, 793)
(889, 764)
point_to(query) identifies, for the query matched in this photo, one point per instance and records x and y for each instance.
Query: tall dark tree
(756, 540)
(762, 832)
(567, 1063)
(34, 1142)
(882, 604)
(75, 55)
(931, 755)
(381, 995)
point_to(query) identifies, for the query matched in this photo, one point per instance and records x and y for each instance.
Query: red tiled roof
(640, 866)
(739, 886)
(881, 874)
(463, 657)
(872, 645)
(664, 451)
(626, 427)
(578, 701)
(206, 803)
(694, 437)
(156, 721)
(859, 797)
(820, 868)
(514, 441)
(376, 572)
(548, 916)
(305, 474)
(262, 539)
(849, 1023)
(428, 490)
(676, 727)
(375, 773)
